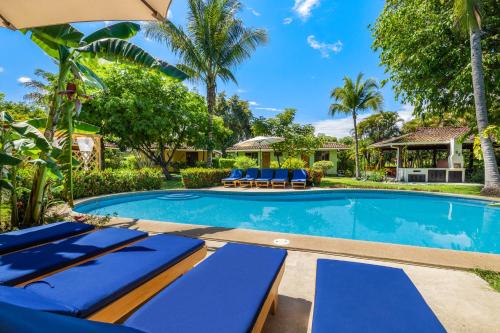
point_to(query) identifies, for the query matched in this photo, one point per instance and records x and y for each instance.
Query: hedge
(202, 177)
(92, 183)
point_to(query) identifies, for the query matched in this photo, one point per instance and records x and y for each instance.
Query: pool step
(179, 196)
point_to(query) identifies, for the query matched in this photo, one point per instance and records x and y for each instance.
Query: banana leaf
(62, 34)
(122, 30)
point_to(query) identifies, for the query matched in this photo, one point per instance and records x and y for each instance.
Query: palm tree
(41, 89)
(214, 42)
(72, 51)
(468, 15)
(356, 97)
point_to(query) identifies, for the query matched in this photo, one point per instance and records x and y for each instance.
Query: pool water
(380, 216)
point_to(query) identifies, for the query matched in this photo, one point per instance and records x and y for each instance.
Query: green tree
(20, 111)
(237, 118)
(155, 115)
(380, 126)
(355, 97)
(73, 51)
(299, 139)
(468, 14)
(42, 89)
(213, 44)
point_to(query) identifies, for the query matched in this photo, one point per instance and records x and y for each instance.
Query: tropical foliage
(203, 177)
(214, 42)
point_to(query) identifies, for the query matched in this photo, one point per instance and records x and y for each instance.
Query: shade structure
(260, 141)
(20, 14)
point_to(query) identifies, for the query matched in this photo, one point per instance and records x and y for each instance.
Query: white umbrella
(260, 141)
(20, 14)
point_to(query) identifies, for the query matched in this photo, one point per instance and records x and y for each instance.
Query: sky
(312, 45)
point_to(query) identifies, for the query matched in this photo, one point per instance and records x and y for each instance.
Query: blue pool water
(379, 216)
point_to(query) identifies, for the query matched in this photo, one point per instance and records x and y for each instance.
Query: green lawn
(174, 183)
(345, 182)
(493, 278)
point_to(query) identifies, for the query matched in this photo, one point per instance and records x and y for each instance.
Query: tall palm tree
(356, 97)
(468, 15)
(213, 43)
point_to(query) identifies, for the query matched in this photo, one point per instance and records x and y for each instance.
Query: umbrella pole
(260, 157)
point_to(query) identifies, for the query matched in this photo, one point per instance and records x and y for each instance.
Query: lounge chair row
(233, 290)
(266, 177)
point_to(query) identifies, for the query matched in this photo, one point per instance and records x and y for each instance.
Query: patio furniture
(231, 291)
(266, 175)
(250, 177)
(35, 262)
(299, 178)
(356, 297)
(24, 238)
(280, 178)
(232, 180)
(112, 286)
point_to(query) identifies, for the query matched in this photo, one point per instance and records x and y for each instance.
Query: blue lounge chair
(266, 175)
(280, 178)
(250, 177)
(231, 291)
(112, 286)
(232, 180)
(355, 297)
(299, 178)
(22, 239)
(25, 265)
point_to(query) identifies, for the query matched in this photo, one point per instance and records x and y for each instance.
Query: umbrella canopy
(260, 141)
(21, 14)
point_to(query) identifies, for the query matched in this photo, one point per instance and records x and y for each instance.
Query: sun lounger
(299, 178)
(250, 177)
(24, 238)
(112, 286)
(232, 180)
(266, 175)
(280, 178)
(355, 297)
(25, 265)
(233, 290)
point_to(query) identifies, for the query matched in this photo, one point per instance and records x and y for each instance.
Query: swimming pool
(380, 216)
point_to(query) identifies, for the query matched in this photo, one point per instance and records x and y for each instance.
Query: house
(190, 156)
(430, 154)
(327, 152)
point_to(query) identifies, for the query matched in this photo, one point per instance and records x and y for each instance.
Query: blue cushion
(17, 319)
(266, 174)
(27, 299)
(252, 173)
(281, 175)
(235, 174)
(222, 294)
(279, 180)
(94, 284)
(230, 179)
(355, 297)
(20, 239)
(298, 180)
(27, 264)
(263, 179)
(299, 175)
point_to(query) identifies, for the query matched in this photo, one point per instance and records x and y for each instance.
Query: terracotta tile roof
(424, 135)
(327, 145)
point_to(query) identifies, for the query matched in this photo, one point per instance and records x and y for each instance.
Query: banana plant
(73, 52)
(21, 143)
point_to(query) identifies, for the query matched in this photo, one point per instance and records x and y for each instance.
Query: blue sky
(312, 45)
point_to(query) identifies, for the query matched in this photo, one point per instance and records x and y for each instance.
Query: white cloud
(269, 109)
(1, 69)
(342, 127)
(24, 79)
(287, 20)
(253, 11)
(241, 91)
(107, 23)
(324, 48)
(253, 103)
(169, 14)
(303, 8)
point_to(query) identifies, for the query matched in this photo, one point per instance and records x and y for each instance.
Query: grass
(493, 278)
(344, 182)
(174, 183)
(4, 216)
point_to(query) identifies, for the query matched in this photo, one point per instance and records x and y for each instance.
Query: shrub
(226, 163)
(323, 166)
(376, 176)
(274, 165)
(97, 182)
(293, 163)
(245, 162)
(201, 177)
(315, 176)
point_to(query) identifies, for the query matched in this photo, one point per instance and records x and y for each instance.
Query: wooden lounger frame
(298, 184)
(262, 183)
(246, 182)
(282, 184)
(121, 308)
(40, 277)
(270, 304)
(230, 183)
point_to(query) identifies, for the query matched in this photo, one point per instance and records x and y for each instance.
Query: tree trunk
(211, 100)
(356, 145)
(14, 212)
(491, 175)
